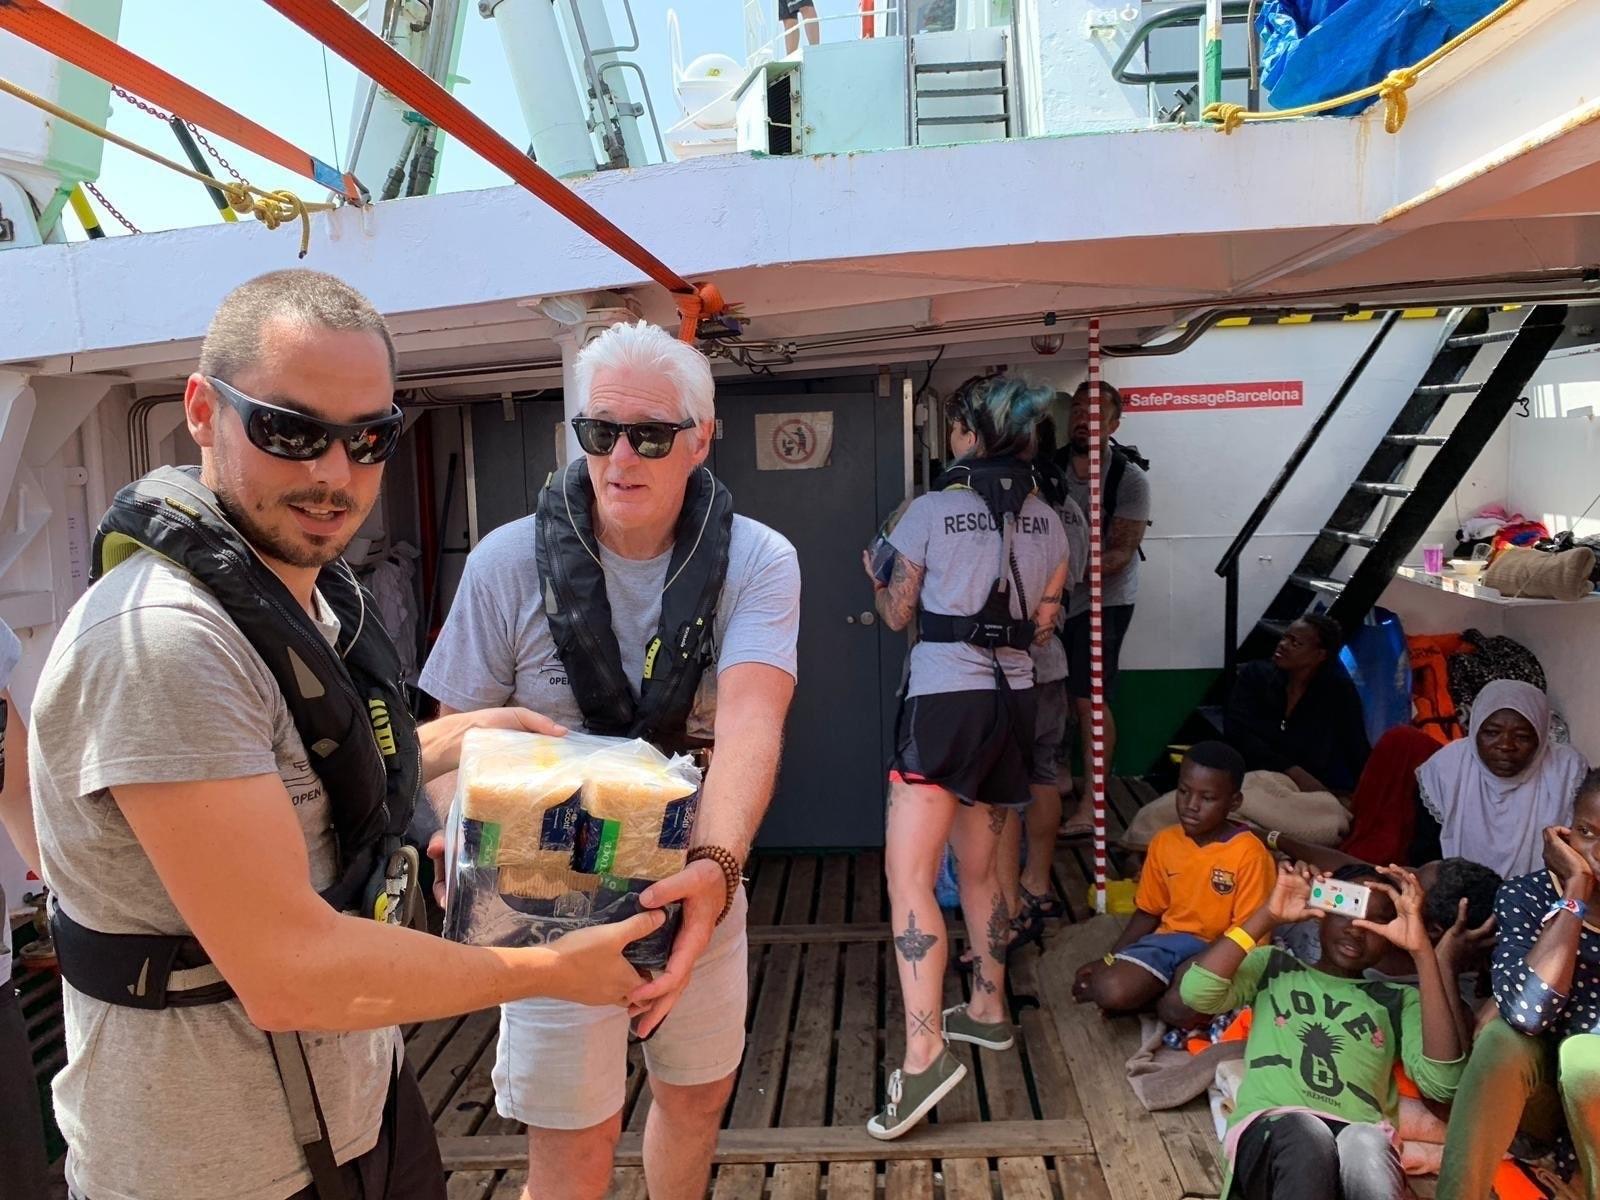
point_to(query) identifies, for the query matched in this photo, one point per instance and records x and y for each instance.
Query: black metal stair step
(1365, 540)
(1318, 583)
(1481, 339)
(1415, 439)
(1398, 490)
(1447, 389)
(956, 68)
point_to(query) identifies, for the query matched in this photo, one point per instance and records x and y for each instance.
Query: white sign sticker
(794, 441)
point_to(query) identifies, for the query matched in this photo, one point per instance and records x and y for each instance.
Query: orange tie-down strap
(373, 57)
(58, 34)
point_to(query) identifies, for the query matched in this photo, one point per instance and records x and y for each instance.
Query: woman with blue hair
(980, 563)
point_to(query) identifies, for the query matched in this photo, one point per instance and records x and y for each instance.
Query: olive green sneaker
(912, 1097)
(959, 1027)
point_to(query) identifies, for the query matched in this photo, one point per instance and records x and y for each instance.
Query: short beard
(1079, 445)
(269, 545)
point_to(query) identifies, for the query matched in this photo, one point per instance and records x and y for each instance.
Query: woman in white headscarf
(1493, 792)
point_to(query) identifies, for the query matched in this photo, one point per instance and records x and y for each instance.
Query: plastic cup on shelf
(1433, 559)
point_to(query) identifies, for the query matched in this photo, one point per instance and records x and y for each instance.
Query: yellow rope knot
(1392, 91)
(1228, 117)
(272, 209)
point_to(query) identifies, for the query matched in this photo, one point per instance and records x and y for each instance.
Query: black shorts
(1076, 636)
(964, 742)
(789, 10)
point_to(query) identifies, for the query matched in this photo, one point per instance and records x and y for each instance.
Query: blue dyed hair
(1002, 410)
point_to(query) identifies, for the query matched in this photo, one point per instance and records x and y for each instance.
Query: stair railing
(1228, 567)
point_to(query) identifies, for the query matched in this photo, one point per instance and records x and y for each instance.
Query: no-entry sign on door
(1180, 397)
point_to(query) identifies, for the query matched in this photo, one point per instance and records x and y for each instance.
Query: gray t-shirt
(952, 534)
(150, 682)
(1133, 504)
(495, 647)
(1050, 659)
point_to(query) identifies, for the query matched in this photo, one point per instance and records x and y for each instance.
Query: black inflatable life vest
(1003, 484)
(347, 703)
(349, 706)
(575, 603)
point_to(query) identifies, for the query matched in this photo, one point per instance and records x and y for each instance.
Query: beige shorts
(565, 1066)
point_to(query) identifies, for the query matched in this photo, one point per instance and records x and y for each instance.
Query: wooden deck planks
(1050, 1119)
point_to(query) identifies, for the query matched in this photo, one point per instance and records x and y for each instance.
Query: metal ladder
(917, 73)
(1312, 582)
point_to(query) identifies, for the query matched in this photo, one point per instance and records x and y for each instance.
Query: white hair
(645, 347)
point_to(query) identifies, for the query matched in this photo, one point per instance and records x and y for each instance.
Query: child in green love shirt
(1316, 1112)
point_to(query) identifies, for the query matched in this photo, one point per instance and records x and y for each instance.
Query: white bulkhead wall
(1209, 468)
(62, 455)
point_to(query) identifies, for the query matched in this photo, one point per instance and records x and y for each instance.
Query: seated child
(1200, 876)
(1318, 1110)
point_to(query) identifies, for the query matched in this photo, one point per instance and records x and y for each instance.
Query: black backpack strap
(1108, 497)
(305, 1115)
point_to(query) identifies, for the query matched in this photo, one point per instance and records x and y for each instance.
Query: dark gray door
(832, 784)
(512, 459)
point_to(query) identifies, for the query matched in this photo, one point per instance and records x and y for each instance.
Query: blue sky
(247, 56)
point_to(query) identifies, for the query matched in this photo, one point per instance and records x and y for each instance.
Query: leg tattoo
(999, 929)
(922, 1023)
(997, 819)
(979, 983)
(913, 943)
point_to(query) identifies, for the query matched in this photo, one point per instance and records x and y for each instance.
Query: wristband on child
(1272, 839)
(1241, 939)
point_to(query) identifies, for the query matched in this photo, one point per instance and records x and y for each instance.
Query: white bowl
(1470, 568)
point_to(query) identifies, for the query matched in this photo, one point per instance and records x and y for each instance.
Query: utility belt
(977, 630)
(159, 971)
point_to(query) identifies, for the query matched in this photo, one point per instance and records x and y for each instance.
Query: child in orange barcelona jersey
(1201, 877)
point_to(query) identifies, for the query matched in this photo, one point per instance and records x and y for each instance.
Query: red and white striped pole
(1097, 672)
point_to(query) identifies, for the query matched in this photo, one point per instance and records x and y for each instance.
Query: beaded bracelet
(732, 872)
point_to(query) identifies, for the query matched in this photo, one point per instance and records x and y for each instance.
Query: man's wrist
(729, 864)
(1580, 888)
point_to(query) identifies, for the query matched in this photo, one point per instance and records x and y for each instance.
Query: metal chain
(141, 105)
(111, 208)
(200, 137)
(215, 153)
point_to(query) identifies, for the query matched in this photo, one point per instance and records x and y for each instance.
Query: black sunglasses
(649, 439)
(284, 433)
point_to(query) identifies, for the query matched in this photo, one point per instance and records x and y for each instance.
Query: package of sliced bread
(549, 834)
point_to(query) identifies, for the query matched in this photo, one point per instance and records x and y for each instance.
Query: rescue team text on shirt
(983, 522)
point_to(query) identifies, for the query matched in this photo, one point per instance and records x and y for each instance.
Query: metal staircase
(975, 85)
(1322, 578)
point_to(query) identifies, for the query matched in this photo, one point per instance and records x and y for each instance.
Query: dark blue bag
(1377, 659)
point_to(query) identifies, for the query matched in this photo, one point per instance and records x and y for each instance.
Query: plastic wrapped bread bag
(552, 834)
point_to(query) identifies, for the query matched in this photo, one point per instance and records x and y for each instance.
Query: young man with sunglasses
(635, 602)
(193, 810)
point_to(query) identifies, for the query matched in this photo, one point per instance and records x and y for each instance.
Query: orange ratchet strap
(58, 34)
(373, 57)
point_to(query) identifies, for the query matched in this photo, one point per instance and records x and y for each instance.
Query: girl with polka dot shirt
(1540, 1058)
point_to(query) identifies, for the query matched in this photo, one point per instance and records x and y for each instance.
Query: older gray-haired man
(606, 610)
